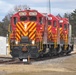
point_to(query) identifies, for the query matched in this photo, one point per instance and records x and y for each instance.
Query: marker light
(56, 29)
(33, 42)
(40, 27)
(16, 42)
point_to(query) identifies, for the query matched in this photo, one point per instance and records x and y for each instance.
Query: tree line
(6, 21)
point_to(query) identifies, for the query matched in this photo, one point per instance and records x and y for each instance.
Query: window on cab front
(23, 18)
(15, 20)
(54, 23)
(32, 18)
(49, 20)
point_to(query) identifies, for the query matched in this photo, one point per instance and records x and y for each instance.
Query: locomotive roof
(53, 16)
(28, 11)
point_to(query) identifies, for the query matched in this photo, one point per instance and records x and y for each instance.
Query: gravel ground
(57, 66)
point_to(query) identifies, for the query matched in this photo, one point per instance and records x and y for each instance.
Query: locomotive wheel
(41, 54)
(70, 48)
(20, 59)
(60, 51)
(55, 51)
(50, 54)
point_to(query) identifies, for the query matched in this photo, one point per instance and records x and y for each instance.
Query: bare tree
(6, 20)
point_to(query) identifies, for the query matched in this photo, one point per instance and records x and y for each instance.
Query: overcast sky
(57, 6)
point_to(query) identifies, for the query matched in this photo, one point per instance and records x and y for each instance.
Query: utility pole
(46, 25)
(49, 7)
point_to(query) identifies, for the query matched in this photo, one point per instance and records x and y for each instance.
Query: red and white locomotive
(35, 34)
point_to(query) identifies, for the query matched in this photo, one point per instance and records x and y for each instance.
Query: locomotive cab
(27, 33)
(53, 34)
(53, 28)
(28, 16)
(64, 27)
(64, 36)
(34, 35)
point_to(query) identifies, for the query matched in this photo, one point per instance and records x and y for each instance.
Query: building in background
(3, 46)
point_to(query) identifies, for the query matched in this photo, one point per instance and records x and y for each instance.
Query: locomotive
(36, 34)
(65, 36)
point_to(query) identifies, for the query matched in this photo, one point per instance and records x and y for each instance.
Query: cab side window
(65, 26)
(40, 20)
(15, 20)
(54, 23)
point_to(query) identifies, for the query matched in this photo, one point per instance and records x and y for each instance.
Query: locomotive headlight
(16, 42)
(33, 42)
(25, 26)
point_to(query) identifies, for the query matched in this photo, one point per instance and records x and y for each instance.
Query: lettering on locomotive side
(49, 18)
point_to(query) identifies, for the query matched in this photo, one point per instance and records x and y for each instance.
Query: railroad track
(11, 61)
(8, 60)
(54, 59)
(47, 57)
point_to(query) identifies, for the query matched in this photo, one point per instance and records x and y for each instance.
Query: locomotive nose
(25, 29)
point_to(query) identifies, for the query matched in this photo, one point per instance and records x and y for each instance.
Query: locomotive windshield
(32, 18)
(23, 18)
